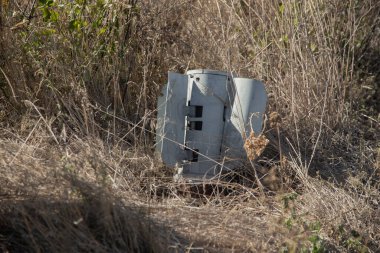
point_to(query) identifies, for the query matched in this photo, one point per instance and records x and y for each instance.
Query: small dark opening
(198, 111)
(195, 155)
(224, 113)
(197, 125)
(194, 125)
(197, 79)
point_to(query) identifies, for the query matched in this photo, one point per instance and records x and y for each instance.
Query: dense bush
(94, 68)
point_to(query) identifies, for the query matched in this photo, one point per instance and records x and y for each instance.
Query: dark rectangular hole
(196, 125)
(195, 155)
(198, 111)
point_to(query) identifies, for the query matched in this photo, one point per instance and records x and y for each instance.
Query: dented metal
(203, 119)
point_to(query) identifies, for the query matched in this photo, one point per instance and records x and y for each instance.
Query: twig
(10, 85)
(320, 127)
(24, 142)
(368, 117)
(29, 103)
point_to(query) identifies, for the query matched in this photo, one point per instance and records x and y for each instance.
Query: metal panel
(204, 118)
(252, 103)
(170, 120)
(207, 89)
(247, 112)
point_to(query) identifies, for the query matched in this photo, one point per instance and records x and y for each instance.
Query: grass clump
(79, 82)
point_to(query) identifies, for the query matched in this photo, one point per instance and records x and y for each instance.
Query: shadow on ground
(90, 221)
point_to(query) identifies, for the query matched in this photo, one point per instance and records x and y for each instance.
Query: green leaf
(284, 39)
(46, 2)
(48, 31)
(80, 2)
(54, 16)
(289, 223)
(281, 8)
(74, 25)
(102, 30)
(313, 48)
(100, 3)
(46, 14)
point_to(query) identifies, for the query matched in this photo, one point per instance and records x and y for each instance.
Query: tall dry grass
(93, 70)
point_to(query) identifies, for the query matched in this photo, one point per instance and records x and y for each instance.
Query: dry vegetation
(78, 87)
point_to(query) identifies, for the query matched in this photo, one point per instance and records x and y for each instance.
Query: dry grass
(77, 110)
(116, 194)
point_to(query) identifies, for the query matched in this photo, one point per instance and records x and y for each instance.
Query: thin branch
(10, 85)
